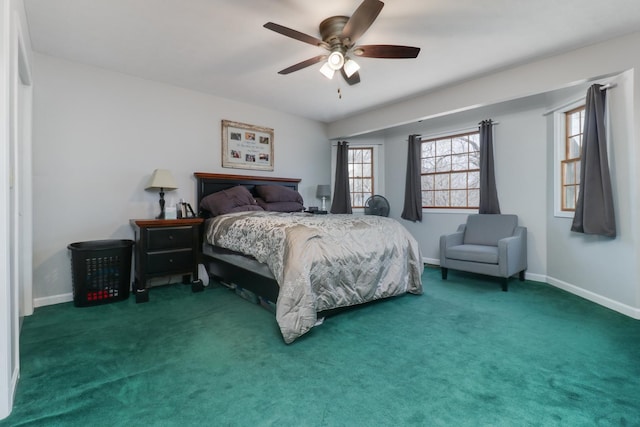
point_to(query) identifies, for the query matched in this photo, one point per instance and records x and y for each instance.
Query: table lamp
(323, 192)
(161, 179)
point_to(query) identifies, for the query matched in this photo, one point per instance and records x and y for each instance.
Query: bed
(308, 265)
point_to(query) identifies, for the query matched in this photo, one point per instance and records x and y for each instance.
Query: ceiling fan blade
(386, 51)
(303, 64)
(361, 20)
(285, 31)
(354, 79)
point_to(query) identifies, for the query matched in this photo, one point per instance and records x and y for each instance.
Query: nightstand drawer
(166, 247)
(170, 261)
(169, 238)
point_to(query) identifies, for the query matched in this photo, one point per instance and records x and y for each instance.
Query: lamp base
(161, 215)
(324, 207)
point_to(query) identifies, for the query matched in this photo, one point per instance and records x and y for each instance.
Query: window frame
(567, 160)
(560, 155)
(378, 166)
(363, 177)
(444, 136)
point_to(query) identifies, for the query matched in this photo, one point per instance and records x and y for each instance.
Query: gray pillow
(278, 193)
(229, 200)
(280, 206)
(245, 208)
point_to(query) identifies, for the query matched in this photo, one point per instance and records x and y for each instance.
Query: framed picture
(246, 146)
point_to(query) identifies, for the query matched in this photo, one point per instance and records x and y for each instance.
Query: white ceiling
(220, 47)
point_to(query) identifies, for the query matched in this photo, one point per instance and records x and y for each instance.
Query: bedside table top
(165, 222)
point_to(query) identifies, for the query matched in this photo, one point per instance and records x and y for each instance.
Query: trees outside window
(360, 175)
(450, 171)
(570, 164)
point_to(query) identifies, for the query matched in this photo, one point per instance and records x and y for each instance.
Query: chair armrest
(512, 252)
(448, 240)
(453, 239)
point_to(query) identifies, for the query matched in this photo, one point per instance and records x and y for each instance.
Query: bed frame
(208, 183)
(260, 285)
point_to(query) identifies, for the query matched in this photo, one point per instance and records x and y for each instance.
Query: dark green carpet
(464, 353)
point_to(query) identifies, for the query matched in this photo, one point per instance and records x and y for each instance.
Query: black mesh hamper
(101, 271)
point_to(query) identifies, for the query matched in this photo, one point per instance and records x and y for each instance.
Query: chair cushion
(474, 253)
(487, 229)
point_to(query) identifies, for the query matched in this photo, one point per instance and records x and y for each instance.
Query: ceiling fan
(339, 35)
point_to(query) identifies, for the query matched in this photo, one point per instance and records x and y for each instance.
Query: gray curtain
(341, 203)
(413, 187)
(594, 209)
(489, 203)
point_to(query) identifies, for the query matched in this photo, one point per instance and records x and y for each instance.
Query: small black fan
(376, 205)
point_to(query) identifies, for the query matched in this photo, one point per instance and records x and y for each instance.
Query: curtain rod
(452, 132)
(355, 144)
(566, 104)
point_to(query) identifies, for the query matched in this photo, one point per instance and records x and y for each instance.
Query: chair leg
(521, 276)
(444, 273)
(505, 284)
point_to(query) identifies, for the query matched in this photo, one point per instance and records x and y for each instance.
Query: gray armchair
(491, 244)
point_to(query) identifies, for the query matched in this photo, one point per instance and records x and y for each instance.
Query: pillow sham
(245, 208)
(280, 206)
(278, 193)
(225, 201)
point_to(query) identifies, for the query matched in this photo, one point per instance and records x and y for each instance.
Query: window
(568, 123)
(570, 164)
(360, 175)
(450, 170)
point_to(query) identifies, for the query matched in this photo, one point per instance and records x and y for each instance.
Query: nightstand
(166, 247)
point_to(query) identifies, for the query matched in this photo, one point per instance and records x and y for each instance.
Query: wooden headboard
(209, 183)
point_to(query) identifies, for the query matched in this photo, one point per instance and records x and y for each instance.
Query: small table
(165, 247)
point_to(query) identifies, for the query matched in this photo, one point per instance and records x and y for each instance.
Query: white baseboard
(572, 289)
(431, 261)
(14, 383)
(7, 405)
(56, 299)
(596, 298)
(528, 276)
(588, 295)
(535, 277)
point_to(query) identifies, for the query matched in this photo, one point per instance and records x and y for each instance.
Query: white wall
(520, 157)
(377, 143)
(99, 135)
(15, 195)
(606, 265)
(603, 270)
(607, 58)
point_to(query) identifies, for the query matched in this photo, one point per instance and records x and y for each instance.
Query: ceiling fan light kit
(339, 35)
(350, 67)
(335, 60)
(327, 71)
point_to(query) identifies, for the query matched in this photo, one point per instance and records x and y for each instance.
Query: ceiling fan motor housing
(339, 36)
(331, 29)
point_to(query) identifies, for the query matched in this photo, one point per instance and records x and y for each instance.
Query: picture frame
(246, 146)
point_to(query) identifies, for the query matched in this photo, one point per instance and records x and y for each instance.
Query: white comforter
(323, 261)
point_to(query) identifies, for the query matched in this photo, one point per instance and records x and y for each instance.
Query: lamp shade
(327, 71)
(323, 191)
(350, 67)
(161, 179)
